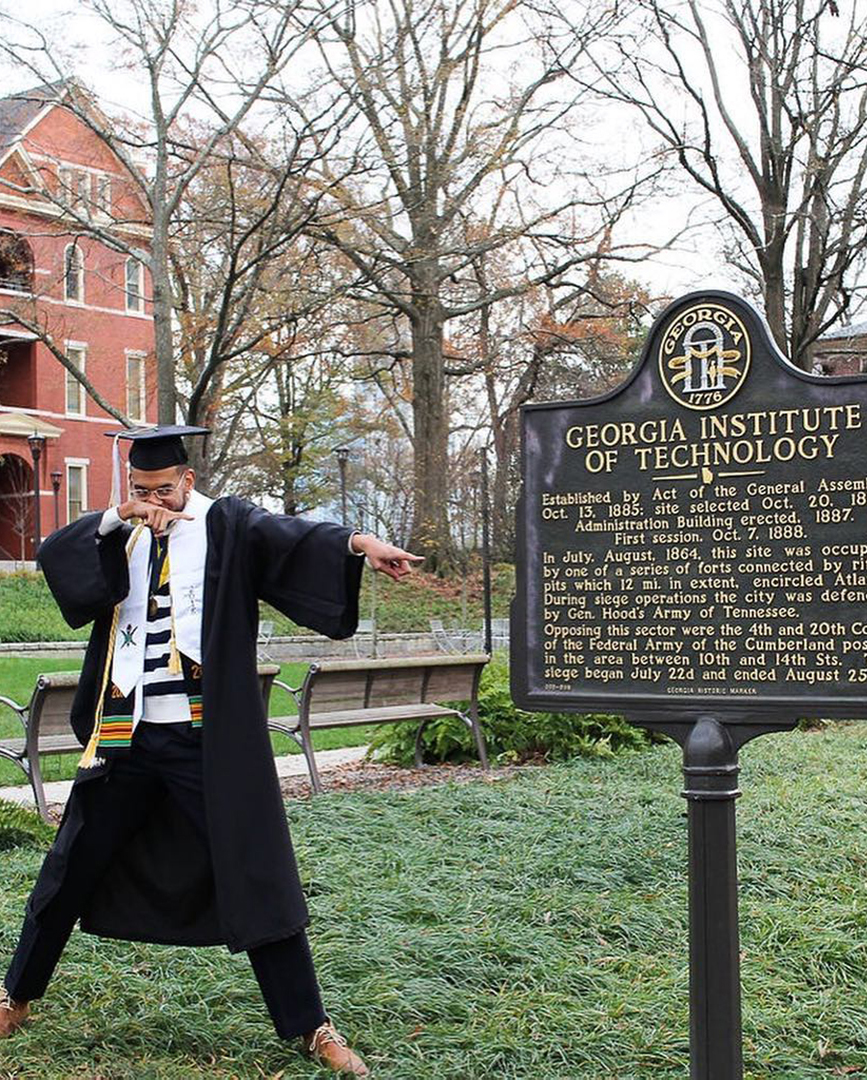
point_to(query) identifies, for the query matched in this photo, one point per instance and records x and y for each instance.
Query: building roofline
(844, 333)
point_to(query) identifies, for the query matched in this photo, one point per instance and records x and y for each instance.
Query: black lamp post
(486, 547)
(56, 477)
(37, 445)
(342, 458)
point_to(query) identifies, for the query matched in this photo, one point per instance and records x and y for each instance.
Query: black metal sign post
(692, 554)
(710, 769)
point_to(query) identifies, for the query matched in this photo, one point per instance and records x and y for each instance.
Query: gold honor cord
(174, 655)
(88, 758)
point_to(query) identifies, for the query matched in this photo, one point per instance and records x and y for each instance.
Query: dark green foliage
(411, 605)
(22, 827)
(28, 611)
(511, 735)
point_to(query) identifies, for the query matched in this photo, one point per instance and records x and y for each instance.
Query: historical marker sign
(697, 539)
(692, 554)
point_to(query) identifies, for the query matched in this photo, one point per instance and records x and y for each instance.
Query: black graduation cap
(157, 447)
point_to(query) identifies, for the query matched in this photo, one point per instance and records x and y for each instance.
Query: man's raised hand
(386, 558)
(157, 518)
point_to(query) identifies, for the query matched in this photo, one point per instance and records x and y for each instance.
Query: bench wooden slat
(386, 715)
(397, 687)
(54, 705)
(346, 693)
(48, 744)
(332, 666)
(339, 690)
(455, 682)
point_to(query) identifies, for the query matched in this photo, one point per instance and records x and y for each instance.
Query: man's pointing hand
(386, 558)
(158, 518)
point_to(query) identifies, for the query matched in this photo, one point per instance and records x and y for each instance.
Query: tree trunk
(162, 298)
(771, 262)
(502, 533)
(163, 347)
(430, 529)
(502, 509)
(775, 304)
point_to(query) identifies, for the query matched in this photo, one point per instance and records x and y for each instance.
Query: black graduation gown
(164, 886)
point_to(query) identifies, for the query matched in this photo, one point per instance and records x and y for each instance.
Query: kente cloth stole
(123, 701)
(116, 729)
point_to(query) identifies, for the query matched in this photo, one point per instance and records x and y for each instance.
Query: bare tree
(248, 286)
(204, 69)
(458, 120)
(762, 104)
(547, 344)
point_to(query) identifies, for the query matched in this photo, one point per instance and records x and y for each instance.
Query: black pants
(164, 758)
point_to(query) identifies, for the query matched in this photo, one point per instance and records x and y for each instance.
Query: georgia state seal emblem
(704, 356)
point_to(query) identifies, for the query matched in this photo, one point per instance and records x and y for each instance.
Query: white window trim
(66, 298)
(103, 181)
(137, 354)
(104, 420)
(77, 463)
(72, 190)
(82, 346)
(140, 305)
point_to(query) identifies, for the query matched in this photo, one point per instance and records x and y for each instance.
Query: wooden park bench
(345, 693)
(47, 729)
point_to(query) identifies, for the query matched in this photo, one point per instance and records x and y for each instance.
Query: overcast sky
(87, 48)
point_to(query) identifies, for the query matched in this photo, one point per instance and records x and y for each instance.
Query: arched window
(16, 263)
(73, 274)
(134, 285)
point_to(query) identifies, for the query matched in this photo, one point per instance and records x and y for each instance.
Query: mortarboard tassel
(174, 655)
(115, 470)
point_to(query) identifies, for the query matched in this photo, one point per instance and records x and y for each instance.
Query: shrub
(20, 826)
(511, 734)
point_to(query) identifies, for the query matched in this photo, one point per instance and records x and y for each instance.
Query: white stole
(188, 549)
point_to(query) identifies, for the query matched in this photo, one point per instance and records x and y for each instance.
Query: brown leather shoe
(327, 1046)
(12, 1013)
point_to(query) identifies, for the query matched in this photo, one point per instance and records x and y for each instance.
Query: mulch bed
(370, 776)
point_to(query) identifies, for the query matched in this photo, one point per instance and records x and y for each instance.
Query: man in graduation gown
(175, 831)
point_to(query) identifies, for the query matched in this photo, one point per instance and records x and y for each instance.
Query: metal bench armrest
(19, 710)
(295, 691)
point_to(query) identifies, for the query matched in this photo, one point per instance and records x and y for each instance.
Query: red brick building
(90, 299)
(842, 351)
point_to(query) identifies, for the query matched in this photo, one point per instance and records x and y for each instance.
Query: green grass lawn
(29, 613)
(530, 929)
(18, 677)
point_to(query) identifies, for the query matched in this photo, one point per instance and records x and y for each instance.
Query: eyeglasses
(164, 491)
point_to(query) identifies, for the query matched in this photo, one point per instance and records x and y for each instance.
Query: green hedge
(28, 611)
(511, 734)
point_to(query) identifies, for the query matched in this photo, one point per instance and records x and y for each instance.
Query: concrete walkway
(290, 765)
